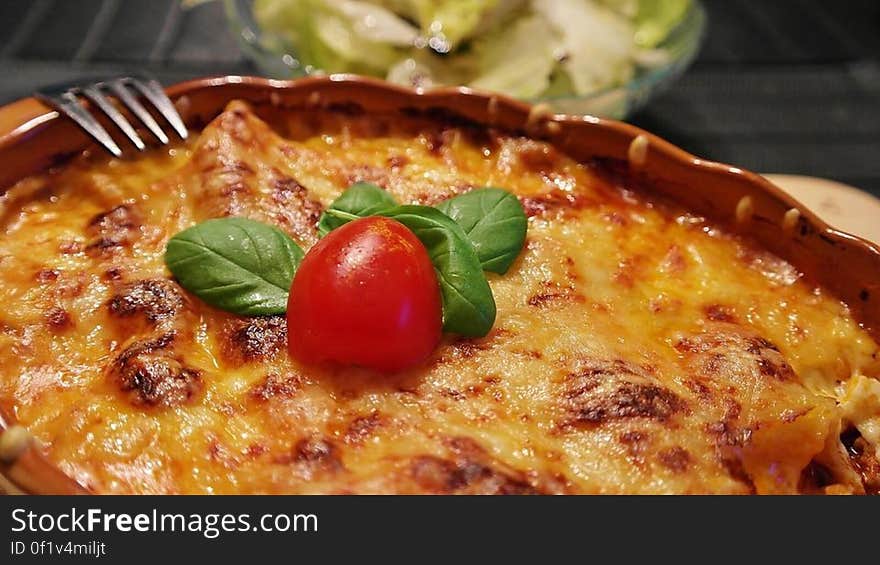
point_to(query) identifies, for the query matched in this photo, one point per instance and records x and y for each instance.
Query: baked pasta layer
(637, 348)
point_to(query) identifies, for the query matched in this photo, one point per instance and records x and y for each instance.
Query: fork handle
(21, 112)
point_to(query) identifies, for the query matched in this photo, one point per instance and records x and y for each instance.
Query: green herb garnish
(468, 304)
(362, 199)
(247, 267)
(235, 264)
(495, 223)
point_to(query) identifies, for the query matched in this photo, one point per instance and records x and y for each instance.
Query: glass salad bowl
(655, 69)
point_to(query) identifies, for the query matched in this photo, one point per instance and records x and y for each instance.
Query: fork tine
(68, 104)
(153, 92)
(95, 95)
(129, 101)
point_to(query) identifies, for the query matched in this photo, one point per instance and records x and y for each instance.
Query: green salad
(525, 48)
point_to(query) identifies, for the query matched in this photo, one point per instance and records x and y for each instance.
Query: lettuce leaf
(446, 24)
(518, 59)
(597, 42)
(656, 19)
(338, 35)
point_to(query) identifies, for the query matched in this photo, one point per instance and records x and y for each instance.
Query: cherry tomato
(365, 295)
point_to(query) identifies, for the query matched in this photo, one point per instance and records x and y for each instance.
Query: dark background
(783, 86)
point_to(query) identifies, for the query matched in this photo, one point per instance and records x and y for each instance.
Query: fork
(128, 91)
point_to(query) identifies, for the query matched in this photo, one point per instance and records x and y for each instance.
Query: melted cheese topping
(636, 348)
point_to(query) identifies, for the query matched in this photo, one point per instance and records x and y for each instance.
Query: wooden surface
(844, 207)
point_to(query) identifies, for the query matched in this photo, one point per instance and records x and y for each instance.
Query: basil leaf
(468, 304)
(495, 223)
(360, 199)
(235, 264)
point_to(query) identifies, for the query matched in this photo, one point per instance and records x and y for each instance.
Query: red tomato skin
(366, 295)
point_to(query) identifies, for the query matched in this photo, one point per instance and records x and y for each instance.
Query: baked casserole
(639, 347)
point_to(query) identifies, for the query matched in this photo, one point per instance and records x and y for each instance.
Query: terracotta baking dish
(34, 138)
